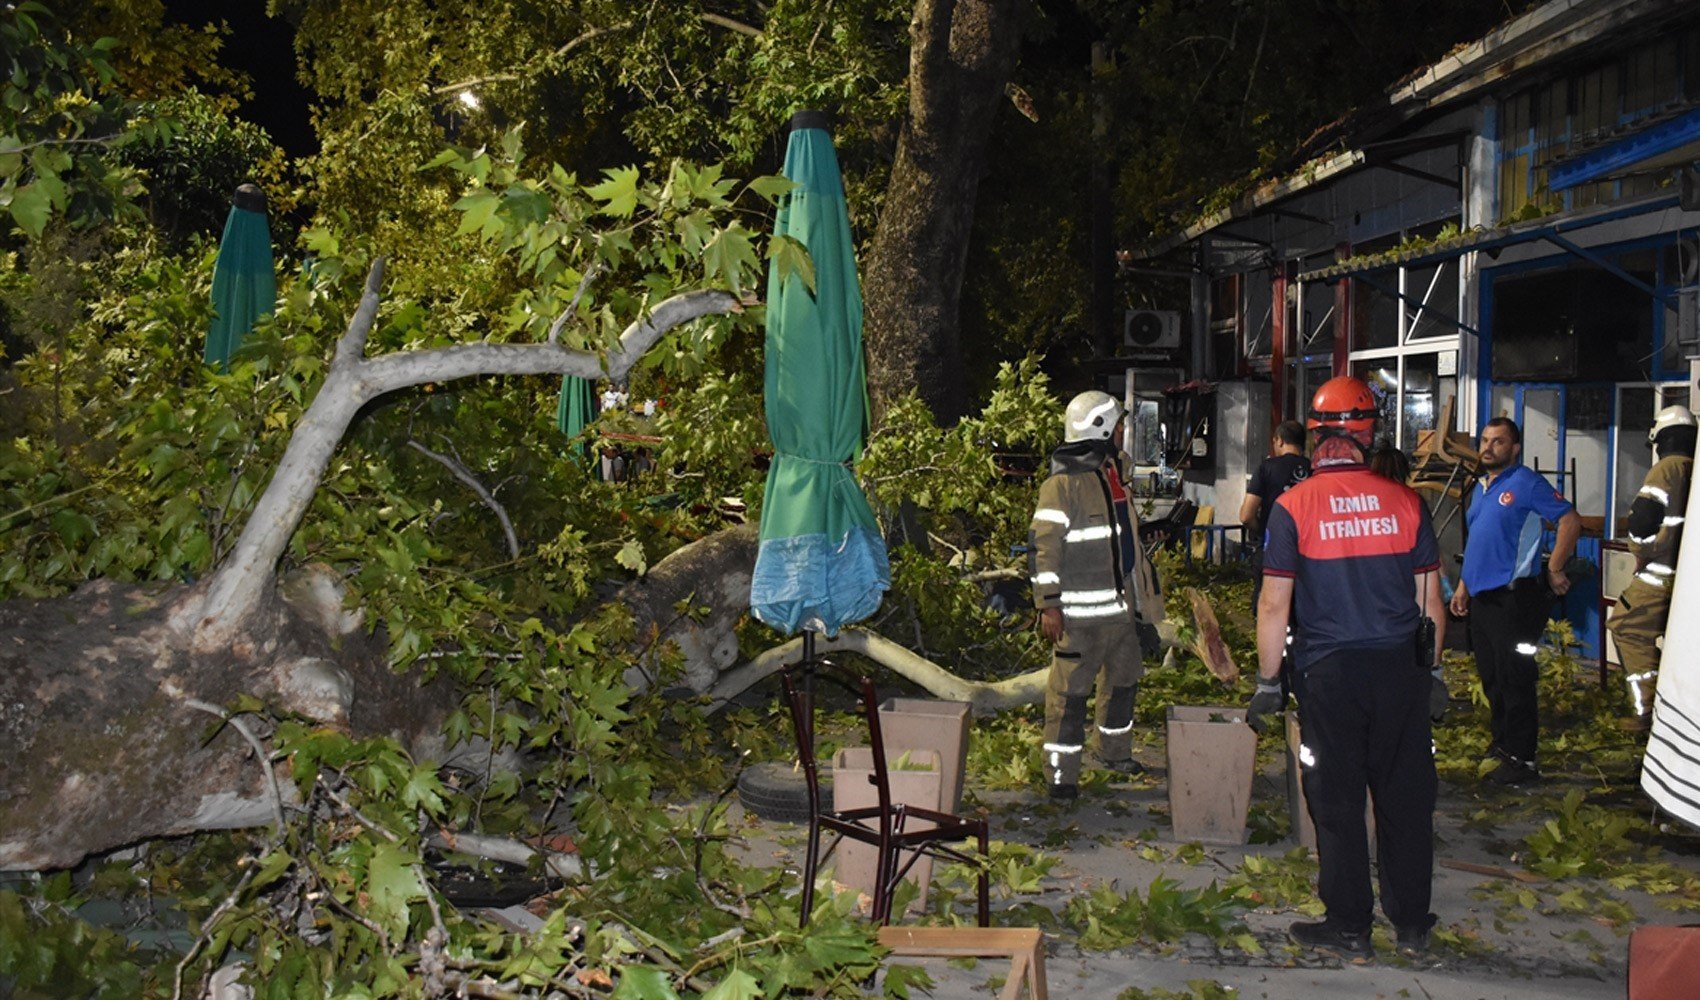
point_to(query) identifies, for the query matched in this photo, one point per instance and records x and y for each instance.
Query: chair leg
(985, 904)
(811, 864)
(885, 879)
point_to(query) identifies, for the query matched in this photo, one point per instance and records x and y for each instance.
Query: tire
(779, 792)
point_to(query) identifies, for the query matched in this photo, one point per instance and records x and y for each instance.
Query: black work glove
(1149, 641)
(1267, 701)
(1437, 697)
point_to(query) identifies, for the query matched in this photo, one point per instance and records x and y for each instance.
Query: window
(1548, 121)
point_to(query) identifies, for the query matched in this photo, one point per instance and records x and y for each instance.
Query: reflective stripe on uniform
(1643, 539)
(1671, 522)
(1656, 493)
(1088, 596)
(1116, 731)
(1041, 579)
(1652, 579)
(1661, 569)
(1094, 610)
(1052, 515)
(1093, 414)
(1093, 533)
(1526, 648)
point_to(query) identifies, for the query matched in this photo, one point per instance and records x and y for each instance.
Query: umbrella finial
(810, 119)
(250, 198)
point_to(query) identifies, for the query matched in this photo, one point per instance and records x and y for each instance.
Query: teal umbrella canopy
(244, 285)
(576, 409)
(822, 562)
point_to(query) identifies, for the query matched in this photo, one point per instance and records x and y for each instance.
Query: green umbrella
(576, 409)
(822, 561)
(244, 287)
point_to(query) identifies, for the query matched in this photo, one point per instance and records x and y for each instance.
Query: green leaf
(392, 882)
(728, 256)
(772, 187)
(478, 208)
(31, 208)
(631, 556)
(792, 259)
(644, 982)
(618, 193)
(740, 985)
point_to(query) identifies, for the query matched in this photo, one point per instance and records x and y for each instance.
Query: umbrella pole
(808, 665)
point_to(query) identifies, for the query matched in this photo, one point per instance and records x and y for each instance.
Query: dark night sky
(263, 48)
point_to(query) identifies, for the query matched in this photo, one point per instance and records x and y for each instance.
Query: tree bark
(961, 56)
(105, 694)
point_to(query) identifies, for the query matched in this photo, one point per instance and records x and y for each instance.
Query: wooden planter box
(1212, 754)
(853, 788)
(930, 724)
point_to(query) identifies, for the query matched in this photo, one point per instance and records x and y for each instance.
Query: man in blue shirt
(1506, 592)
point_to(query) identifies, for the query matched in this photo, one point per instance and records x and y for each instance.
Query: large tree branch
(240, 585)
(985, 697)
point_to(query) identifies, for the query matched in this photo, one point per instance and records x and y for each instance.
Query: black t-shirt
(1277, 475)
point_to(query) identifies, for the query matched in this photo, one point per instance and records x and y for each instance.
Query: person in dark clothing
(1354, 555)
(1505, 593)
(1390, 462)
(1285, 468)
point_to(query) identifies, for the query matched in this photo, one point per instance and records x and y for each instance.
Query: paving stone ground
(1119, 834)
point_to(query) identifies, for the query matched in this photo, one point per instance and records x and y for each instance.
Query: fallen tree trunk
(105, 694)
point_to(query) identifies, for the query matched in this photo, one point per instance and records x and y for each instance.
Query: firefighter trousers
(1364, 724)
(1109, 656)
(1638, 623)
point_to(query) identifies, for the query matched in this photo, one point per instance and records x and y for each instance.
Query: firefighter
(1655, 532)
(1349, 556)
(1094, 589)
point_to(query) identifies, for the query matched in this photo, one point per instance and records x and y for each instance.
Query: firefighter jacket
(1084, 544)
(1655, 519)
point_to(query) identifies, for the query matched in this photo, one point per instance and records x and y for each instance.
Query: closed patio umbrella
(244, 286)
(576, 409)
(822, 562)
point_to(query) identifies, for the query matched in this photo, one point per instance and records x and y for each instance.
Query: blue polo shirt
(1503, 526)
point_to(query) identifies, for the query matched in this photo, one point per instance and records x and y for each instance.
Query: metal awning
(1669, 141)
(1489, 240)
(1264, 196)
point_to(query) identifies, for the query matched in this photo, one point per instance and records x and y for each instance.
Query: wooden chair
(883, 826)
(1023, 946)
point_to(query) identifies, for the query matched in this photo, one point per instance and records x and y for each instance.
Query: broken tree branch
(462, 473)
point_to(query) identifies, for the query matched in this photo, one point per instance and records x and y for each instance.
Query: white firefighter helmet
(1670, 416)
(1091, 416)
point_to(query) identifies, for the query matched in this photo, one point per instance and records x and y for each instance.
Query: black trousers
(1364, 723)
(1506, 625)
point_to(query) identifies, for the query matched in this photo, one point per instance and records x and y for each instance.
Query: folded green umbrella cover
(822, 562)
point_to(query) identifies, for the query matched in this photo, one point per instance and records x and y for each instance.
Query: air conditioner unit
(1151, 330)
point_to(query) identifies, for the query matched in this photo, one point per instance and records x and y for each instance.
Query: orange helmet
(1344, 405)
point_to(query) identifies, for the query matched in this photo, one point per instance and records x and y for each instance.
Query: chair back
(800, 698)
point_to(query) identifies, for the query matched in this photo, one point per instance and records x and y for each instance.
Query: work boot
(1412, 942)
(1514, 773)
(1326, 936)
(1126, 767)
(1064, 793)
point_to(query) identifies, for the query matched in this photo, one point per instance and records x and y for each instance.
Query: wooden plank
(1023, 945)
(959, 940)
